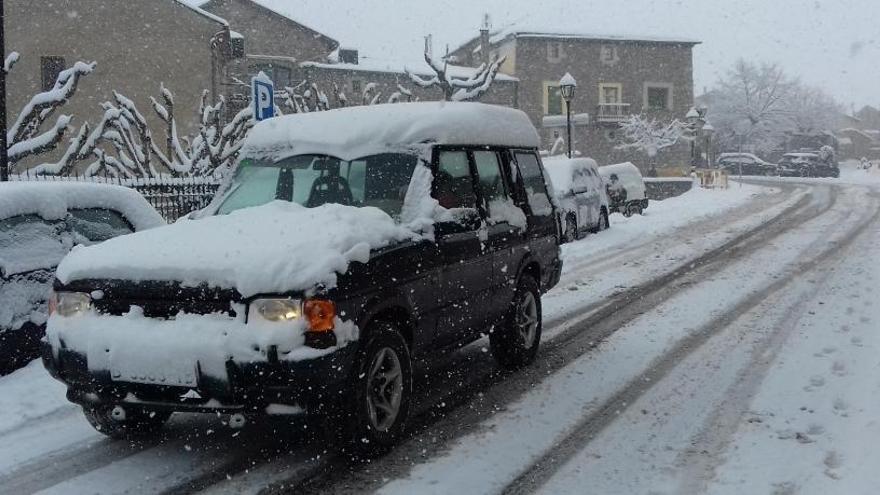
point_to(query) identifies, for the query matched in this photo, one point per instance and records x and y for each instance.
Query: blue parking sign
(264, 97)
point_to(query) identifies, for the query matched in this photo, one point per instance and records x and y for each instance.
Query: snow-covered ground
(765, 355)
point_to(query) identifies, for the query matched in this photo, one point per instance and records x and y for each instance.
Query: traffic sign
(264, 97)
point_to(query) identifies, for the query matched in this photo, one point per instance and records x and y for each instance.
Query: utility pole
(4, 155)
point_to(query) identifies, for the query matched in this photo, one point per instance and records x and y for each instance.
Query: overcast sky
(831, 44)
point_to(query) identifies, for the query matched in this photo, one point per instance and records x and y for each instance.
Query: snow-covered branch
(24, 137)
(650, 136)
(457, 88)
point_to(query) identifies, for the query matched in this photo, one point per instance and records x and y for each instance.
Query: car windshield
(313, 180)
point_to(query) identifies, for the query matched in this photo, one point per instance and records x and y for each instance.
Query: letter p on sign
(264, 100)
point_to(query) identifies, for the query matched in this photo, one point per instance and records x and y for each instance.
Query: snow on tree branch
(457, 88)
(650, 136)
(11, 59)
(23, 137)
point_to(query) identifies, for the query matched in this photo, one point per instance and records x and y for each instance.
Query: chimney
(484, 40)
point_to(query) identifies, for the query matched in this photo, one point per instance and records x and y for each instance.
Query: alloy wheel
(384, 389)
(527, 319)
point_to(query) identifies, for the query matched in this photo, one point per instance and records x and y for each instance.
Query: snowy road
(684, 353)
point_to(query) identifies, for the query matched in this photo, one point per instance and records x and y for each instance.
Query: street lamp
(694, 118)
(708, 131)
(566, 87)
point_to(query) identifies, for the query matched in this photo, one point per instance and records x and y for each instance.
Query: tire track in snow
(577, 337)
(590, 426)
(69, 463)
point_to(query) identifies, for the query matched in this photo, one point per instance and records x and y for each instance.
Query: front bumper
(248, 386)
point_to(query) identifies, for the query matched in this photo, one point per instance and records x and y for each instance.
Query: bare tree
(751, 106)
(650, 137)
(457, 87)
(812, 110)
(24, 136)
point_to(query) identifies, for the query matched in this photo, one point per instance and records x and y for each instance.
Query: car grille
(163, 308)
(158, 299)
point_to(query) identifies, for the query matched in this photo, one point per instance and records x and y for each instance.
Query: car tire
(571, 230)
(515, 342)
(604, 224)
(136, 424)
(382, 390)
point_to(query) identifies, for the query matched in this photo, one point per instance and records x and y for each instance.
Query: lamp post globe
(566, 89)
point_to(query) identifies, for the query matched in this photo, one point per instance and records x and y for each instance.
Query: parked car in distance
(348, 244)
(745, 164)
(580, 194)
(625, 188)
(808, 164)
(39, 223)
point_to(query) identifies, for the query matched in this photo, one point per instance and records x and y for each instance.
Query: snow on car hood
(274, 248)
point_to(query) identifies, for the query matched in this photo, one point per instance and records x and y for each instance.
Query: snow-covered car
(580, 194)
(39, 223)
(346, 244)
(625, 188)
(808, 164)
(745, 164)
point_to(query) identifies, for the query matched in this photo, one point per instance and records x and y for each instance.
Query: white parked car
(625, 188)
(40, 222)
(580, 194)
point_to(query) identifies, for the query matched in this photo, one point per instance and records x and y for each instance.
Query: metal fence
(173, 197)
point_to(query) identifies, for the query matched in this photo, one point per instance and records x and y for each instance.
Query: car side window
(453, 185)
(533, 181)
(500, 208)
(92, 225)
(491, 180)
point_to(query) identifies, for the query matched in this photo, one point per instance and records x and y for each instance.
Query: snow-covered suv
(346, 244)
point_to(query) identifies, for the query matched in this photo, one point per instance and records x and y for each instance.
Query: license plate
(179, 375)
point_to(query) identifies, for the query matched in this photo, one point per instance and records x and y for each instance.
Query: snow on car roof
(802, 155)
(52, 200)
(353, 132)
(560, 170)
(607, 170)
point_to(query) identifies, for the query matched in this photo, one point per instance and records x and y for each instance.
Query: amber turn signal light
(319, 313)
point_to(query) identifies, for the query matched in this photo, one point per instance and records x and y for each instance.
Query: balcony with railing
(612, 113)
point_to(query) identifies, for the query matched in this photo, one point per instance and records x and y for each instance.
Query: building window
(608, 55)
(555, 52)
(280, 76)
(355, 87)
(610, 93)
(553, 103)
(50, 67)
(658, 96)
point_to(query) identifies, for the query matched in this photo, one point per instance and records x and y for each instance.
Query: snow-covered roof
(202, 12)
(561, 170)
(555, 32)
(353, 132)
(267, 6)
(52, 200)
(391, 67)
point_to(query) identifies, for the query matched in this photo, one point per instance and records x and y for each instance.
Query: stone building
(616, 77)
(295, 55)
(137, 46)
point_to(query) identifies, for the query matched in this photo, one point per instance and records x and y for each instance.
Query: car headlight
(69, 303)
(277, 309)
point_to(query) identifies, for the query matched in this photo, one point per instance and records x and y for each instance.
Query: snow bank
(52, 200)
(354, 132)
(275, 248)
